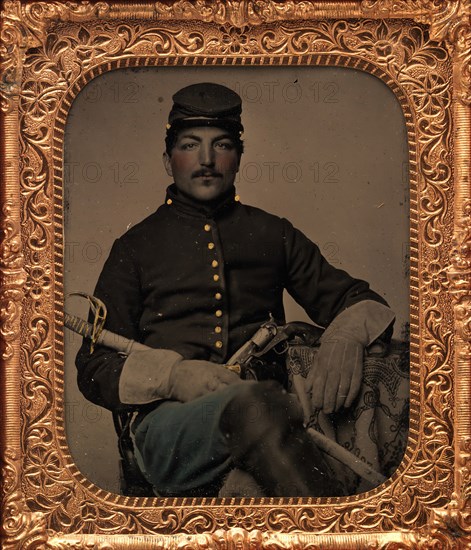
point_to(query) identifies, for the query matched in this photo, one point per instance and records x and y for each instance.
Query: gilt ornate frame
(49, 50)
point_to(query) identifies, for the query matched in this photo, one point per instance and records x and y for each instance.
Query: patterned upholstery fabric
(375, 428)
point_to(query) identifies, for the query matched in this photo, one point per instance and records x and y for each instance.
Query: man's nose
(206, 154)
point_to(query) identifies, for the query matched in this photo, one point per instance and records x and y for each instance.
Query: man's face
(203, 162)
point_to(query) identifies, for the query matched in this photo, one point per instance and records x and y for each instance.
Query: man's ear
(168, 166)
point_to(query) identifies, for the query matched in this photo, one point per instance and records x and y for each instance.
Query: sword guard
(99, 311)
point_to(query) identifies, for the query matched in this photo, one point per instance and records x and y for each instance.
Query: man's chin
(207, 191)
(206, 197)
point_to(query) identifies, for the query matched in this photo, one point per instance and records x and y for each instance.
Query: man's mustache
(206, 172)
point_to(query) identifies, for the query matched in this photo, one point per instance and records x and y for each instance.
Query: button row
(215, 264)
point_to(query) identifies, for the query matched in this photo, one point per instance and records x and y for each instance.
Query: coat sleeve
(119, 288)
(321, 289)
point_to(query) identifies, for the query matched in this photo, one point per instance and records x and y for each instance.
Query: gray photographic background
(324, 147)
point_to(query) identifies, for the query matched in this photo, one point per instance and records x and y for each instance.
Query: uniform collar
(186, 205)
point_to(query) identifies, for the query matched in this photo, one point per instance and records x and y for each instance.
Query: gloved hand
(164, 374)
(190, 379)
(335, 377)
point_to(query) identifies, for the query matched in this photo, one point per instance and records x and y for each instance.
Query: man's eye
(188, 146)
(224, 145)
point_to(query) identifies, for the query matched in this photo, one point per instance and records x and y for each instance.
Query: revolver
(268, 337)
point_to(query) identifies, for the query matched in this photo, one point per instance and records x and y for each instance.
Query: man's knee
(260, 408)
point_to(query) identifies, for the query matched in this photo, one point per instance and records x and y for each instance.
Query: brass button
(237, 198)
(218, 344)
(218, 295)
(207, 227)
(169, 201)
(218, 330)
(216, 277)
(214, 263)
(218, 313)
(210, 246)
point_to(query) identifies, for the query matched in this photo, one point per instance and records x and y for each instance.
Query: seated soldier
(194, 281)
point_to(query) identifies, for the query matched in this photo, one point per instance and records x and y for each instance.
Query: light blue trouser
(180, 446)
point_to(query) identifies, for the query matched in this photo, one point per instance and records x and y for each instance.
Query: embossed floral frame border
(49, 50)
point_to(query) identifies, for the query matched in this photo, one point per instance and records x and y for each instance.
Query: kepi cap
(206, 104)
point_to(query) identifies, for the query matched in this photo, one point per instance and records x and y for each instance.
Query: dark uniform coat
(200, 279)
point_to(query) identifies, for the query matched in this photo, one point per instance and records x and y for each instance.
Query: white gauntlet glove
(164, 374)
(335, 377)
